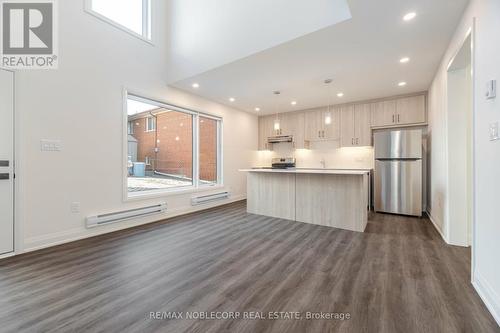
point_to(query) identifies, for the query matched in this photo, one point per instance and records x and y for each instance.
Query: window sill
(118, 26)
(170, 192)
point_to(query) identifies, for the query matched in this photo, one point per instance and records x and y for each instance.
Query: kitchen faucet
(323, 163)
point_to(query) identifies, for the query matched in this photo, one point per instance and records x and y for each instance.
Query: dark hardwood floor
(398, 276)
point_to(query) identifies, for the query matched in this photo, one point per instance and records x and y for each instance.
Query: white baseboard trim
(488, 295)
(68, 236)
(7, 255)
(440, 232)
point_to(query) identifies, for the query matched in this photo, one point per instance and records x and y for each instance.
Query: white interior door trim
(7, 163)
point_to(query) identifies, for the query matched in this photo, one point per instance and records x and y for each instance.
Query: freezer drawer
(398, 187)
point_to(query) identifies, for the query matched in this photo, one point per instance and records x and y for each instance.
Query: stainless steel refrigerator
(398, 172)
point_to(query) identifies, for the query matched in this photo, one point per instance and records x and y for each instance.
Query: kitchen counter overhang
(311, 171)
(330, 197)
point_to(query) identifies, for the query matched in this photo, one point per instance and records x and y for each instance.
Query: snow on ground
(136, 184)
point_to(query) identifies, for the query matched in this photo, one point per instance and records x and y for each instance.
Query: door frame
(470, 32)
(14, 163)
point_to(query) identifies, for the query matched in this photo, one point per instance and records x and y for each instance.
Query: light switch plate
(491, 89)
(494, 131)
(50, 145)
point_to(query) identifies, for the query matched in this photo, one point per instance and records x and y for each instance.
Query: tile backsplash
(334, 156)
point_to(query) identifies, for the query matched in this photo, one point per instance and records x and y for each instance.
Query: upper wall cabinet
(293, 124)
(322, 124)
(362, 125)
(283, 124)
(401, 111)
(355, 125)
(266, 129)
(383, 113)
(411, 110)
(351, 124)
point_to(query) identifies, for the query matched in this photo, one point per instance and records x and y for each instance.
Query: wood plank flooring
(398, 276)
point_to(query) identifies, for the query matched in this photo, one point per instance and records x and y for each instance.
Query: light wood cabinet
(362, 125)
(332, 130)
(334, 200)
(293, 124)
(355, 124)
(351, 124)
(411, 110)
(401, 111)
(318, 129)
(347, 126)
(266, 129)
(312, 125)
(383, 113)
(289, 124)
(284, 122)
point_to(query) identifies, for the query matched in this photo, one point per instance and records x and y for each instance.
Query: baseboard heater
(104, 219)
(209, 198)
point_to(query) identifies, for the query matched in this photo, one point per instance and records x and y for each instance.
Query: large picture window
(130, 15)
(169, 148)
(208, 137)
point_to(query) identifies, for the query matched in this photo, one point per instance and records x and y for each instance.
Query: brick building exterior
(173, 140)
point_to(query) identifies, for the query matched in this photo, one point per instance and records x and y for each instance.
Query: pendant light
(277, 126)
(328, 115)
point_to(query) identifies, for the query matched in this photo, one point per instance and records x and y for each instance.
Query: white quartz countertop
(311, 171)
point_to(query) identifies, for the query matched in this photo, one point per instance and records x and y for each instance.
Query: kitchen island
(329, 197)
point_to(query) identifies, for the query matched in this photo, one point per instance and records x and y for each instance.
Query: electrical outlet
(494, 131)
(50, 145)
(75, 207)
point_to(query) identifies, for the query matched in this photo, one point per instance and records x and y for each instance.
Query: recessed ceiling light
(294, 103)
(340, 94)
(409, 16)
(402, 84)
(257, 109)
(404, 60)
(195, 85)
(231, 99)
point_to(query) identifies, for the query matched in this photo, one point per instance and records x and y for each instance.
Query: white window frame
(218, 147)
(152, 129)
(196, 186)
(130, 127)
(147, 34)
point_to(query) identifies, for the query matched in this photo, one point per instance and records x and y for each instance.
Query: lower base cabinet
(339, 201)
(333, 200)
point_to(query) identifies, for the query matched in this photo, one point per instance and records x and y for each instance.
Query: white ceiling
(205, 34)
(361, 55)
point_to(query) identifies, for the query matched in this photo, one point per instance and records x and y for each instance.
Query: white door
(6, 161)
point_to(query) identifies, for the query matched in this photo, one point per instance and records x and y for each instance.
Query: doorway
(6, 162)
(460, 146)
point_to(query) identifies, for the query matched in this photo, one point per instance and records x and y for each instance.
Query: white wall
(459, 137)
(486, 247)
(81, 105)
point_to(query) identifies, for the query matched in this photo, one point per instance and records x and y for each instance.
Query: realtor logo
(29, 39)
